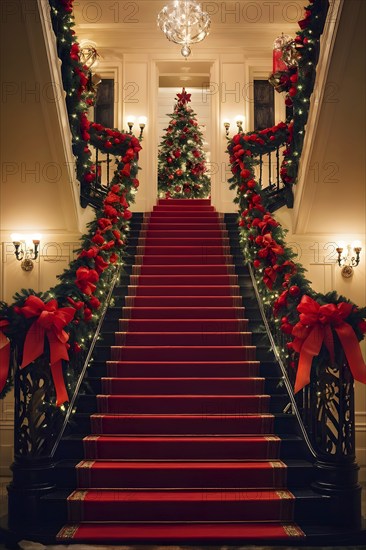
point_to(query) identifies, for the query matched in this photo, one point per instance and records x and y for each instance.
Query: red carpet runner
(182, 448)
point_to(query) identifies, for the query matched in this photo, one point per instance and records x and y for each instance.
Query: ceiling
(236, 27)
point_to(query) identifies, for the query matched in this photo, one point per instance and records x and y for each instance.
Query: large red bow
(315, 328)
(4, 355)
(50, 322)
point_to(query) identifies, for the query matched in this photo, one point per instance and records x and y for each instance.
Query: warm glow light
(130, 119)
(356, 244)
(142, 120)
(36, 237)
(240, 119)
(341, 244)
(16, 238)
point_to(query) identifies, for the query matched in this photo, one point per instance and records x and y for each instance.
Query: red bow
(315, 328)
(4, 355)
(50, 322)
(85, 279)
(266, 223)
(270, 248)
(271, 272)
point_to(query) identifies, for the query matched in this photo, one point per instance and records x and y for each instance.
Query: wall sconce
(130, 122)
(239, 122)
(25, 253)
(142, 124)
(348, 261)
(227, 127)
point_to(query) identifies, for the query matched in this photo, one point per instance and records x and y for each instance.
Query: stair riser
(196, 260)
(170, 290)
(183, 233)
(266, 478)
(187, 208)
(184, 202)
(172, 244)
(203, 250)
(183, 301)
(178, 215)
(197, 226)
(187, 450)
(181, 280)
(184, 449)
(194, 369)
(201, 405)
(178, 325)
(225, 424)
(204, 353)
(177, 339)
(209, 269)
(181, 386)
(183, 313)
(276, 510)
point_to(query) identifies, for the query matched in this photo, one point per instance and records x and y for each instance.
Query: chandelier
(183, 22)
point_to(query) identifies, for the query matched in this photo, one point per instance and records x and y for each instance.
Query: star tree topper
(184, 98)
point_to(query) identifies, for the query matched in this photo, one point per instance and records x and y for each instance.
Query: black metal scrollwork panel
(37, 421)
(332, 400)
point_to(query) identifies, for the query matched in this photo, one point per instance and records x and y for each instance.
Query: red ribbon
(315, 328)
(51, 321)
(4, 355)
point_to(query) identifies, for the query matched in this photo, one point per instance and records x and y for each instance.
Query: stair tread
(175, 495)
(184, 437)
(160, 532)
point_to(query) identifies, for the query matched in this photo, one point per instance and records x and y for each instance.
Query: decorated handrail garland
(312, 325)
(68, 313)
(65, 317)
(310, 322)
(298, 82)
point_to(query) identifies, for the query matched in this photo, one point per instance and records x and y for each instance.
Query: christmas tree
(181, 161)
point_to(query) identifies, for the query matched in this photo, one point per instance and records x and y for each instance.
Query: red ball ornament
(256, 264)
(294, 291)
(108, 144)
(287, 328)
(76, 348)
(292, 91)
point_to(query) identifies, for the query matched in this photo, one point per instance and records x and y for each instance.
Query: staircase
(182, 437)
